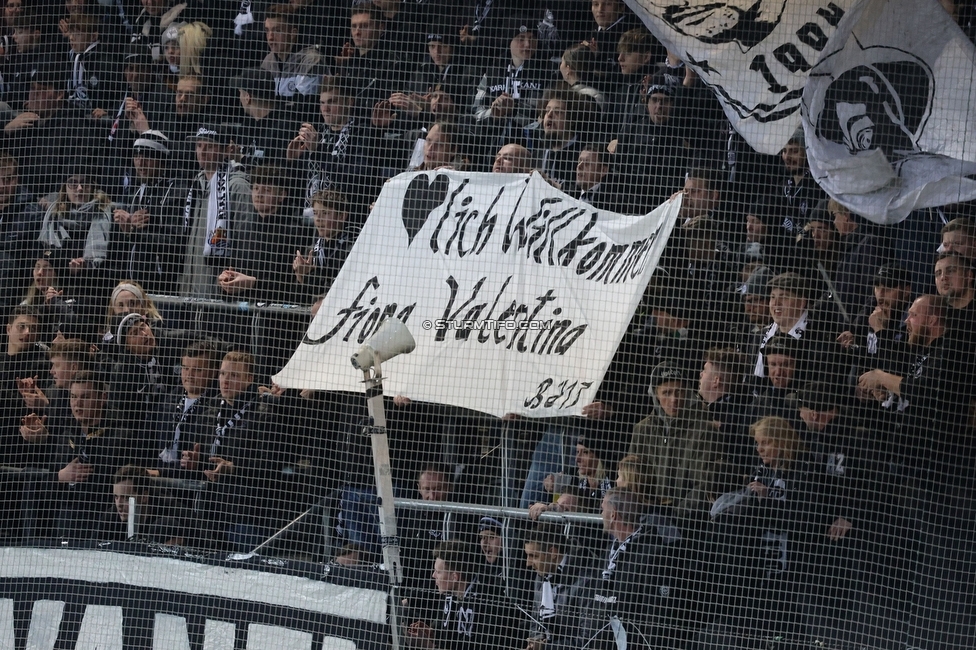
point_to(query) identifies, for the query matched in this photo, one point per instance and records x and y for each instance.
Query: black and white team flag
(889, 111)
(756, 55)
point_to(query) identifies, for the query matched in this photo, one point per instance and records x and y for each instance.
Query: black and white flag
(889, 111)
(756, 55)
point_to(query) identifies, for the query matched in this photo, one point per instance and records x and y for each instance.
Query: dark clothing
(345, 161)
(152, 256)
(138, 398)
(77, 505)
(560, 599)
(638, 589)
(473, 622)
(560, 164)
(269, 251)
(263, 142)
(801, 199)
(184, 424)
(731, 413)
(95, 80)
(328, 255)
(650, 164)
(20, 224)
(30, 363)
(46, 151)
(860, 256)
(524, 84)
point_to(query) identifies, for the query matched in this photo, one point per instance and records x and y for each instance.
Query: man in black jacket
(473, 617)
(143, 242)
(562, 575)
(636, 597)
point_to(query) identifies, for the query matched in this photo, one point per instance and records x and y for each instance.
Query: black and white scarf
(615, 550)
(217, 241)
(230, 423)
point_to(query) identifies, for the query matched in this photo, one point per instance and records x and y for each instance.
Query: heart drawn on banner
(421, 197)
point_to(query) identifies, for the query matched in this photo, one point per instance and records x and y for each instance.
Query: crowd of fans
(821, 460)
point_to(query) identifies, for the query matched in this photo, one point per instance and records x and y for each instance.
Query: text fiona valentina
(556, 233)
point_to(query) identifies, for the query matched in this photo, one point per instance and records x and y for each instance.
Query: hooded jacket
(680, 453)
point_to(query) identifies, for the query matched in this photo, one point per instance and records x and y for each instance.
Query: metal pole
(384, 490)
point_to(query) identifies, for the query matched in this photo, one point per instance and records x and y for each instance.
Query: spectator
(442, 149)
(294, 68)
(373, 61)
(761, 563)
(492, 542)
(142, 244)
(183, 46)
(84, 455)
(237, 460)
(630, 476)
(638, 588)
(189, 418)
(801, 191)
(652, 156)
(782, 368)
(506, 97)
(723, 392)
(263, 272)
(69, 358)
(56, 312)
(755, 307)
(138, 385)
(512, 159)
(592, 169)
(23, 360)
(560, 588)
(154, 19)
(95, 85)
(266, 130)
(129, 297)
(611, 20)
(339, 155)
(32, 49)
(634, 51)
(578, 68)
(694, 300)
(876, 338)
(78, 226)
(20, 222)
(48, 134)
(860, 254)
(563, 117)
(766, 238)
(473, 616)
(936, 387)
(788, 306)
(587, 489)
(679, 448)
(191, 105)
(843, 476)
(217, 217)
(318, 268)
(701, 194)
(156, 521)
(142, 94)
(959, 236)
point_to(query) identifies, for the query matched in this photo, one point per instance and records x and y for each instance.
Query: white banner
(516, 294)
(755, 55)
(890, 111)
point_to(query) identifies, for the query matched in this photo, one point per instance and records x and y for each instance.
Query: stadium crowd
(781, 449)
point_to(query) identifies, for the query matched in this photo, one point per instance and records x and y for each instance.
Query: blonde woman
(77, 224)
(128, 297)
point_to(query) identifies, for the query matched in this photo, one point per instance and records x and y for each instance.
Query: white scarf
(796, 332)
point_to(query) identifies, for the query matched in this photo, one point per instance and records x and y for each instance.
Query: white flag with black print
(756, 55)
(889, 111)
